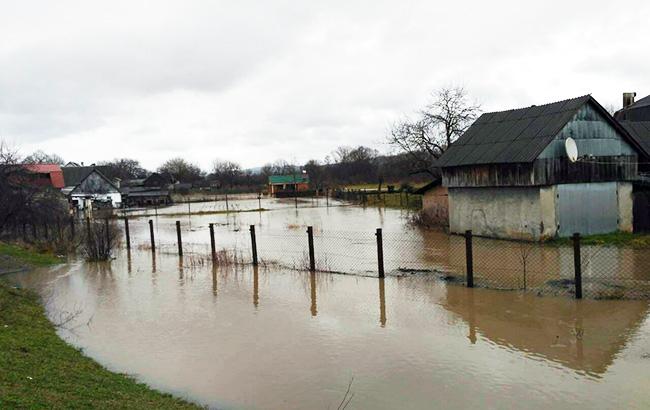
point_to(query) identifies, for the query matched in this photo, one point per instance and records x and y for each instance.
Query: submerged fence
(578, 271)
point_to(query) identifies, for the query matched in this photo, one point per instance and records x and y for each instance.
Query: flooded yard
(273, 337)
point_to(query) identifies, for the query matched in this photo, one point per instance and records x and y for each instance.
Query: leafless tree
(41, 157)
(226, 172)
(182, 170)
(440, 123)
(124, 168)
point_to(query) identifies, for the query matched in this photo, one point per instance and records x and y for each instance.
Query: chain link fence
(589, 271)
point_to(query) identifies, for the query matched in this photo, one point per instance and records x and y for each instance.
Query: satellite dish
(571, 149)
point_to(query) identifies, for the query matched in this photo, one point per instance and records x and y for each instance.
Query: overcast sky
(257, 81)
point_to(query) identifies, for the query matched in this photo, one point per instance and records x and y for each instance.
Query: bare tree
(124, 168)
(182, 170)
(41, 157)
(439, 124)
(226, 172)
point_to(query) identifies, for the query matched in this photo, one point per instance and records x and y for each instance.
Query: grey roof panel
(513, 135)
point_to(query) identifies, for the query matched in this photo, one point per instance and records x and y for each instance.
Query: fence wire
(607, 272)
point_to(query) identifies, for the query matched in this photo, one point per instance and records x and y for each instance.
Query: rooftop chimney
(628, 99)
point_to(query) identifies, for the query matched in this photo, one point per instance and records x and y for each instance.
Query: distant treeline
(344, 166)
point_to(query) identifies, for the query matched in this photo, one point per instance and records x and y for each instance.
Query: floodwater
(274, 338)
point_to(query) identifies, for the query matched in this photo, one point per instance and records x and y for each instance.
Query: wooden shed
(509, 176)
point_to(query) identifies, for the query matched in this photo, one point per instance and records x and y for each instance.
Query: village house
(635, 118)
(46, 175)
(283, 185)
(151, 191)
(510, 176)
(88, 187)
(435, 202)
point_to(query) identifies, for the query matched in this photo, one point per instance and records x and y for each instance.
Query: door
(589, 208)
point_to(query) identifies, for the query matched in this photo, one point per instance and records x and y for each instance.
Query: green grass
(39, 370)
(623, 239)
(384, 186)
(27, 256)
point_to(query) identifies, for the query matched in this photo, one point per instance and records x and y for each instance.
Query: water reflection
(163, 329)
(312, 291)
(382, 302)
(214, 279)
(256, 287)
(582, 335)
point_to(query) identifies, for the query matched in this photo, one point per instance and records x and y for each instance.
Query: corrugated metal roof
(513, 136)
(640, 130)
(54, 170)
(74, 175)
(288, 179)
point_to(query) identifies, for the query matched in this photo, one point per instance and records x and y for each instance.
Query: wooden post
(127, 232)
(179, 239)
(72, 233)
(153, 241)
(310, 242)
(380, 253)
(254, 244)
(88, 231)
(108, 232)
(47, 235)
(577, 265)
(327, 197)
(227, 207)
(469, 259)
(212, 247)
(89, 238)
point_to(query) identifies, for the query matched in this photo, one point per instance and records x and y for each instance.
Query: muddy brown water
(271, 338)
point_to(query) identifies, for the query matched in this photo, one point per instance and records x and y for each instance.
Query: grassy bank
(624, 239)
(12, 256)
(39, 370)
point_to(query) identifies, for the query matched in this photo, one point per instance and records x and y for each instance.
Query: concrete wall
(625, 207)
(435, 203)
(512, 212)
(534, 212)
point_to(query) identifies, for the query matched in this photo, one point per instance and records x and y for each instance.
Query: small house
(281, 185)
(635, 118)
(435, 202)
(88, 187)
(46, 175)
(151, 191)
(509, 175)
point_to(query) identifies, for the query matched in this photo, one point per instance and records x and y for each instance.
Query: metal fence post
(469, 259)
(380, 253)
(212, 247)
(179, 238)
(153, 241)
(577, 265)
(127, 232)
(310, 241)
(254, 245)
